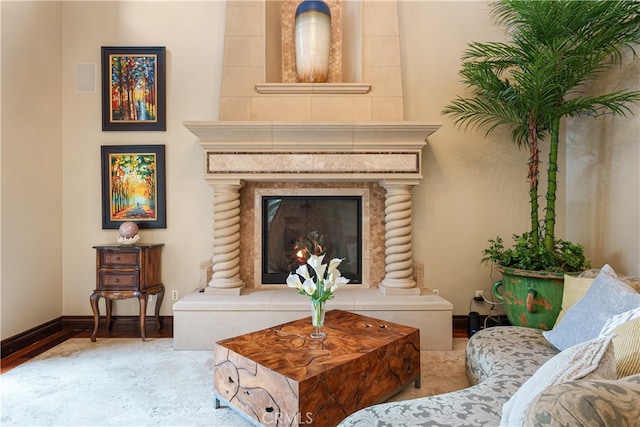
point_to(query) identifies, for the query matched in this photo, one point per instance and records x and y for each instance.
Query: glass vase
(317, 319)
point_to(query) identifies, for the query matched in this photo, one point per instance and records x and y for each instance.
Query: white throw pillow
(618, 320)
(607, 296)
(589, 360)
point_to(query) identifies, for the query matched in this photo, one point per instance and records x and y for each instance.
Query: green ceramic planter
(531, 298)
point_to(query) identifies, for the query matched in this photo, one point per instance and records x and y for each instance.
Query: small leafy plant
(563, 257)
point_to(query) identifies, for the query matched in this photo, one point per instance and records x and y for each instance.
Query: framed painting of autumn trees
(134, 89)
(133, 185)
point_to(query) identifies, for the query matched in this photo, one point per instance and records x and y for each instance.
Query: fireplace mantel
(297, 136)
(313, 151)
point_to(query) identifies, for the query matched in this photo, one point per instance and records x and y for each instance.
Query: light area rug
(127, 382)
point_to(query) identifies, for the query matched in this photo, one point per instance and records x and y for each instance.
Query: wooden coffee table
(281, 376)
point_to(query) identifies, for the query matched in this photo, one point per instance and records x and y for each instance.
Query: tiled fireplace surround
(329, 139)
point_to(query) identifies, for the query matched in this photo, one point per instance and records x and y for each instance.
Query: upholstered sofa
(524, 376)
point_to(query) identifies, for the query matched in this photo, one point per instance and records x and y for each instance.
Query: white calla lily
(315, 260)
(319, 288)
(316, 263)
(333, 266)
(335, 274)
(309, 286)
(293, 281)
(341, 281)
(303, 271)
(338, 282)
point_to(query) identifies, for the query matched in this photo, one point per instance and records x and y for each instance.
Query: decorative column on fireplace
(398, 244)
(225, 278)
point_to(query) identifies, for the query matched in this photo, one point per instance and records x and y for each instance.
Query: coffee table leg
(216, 403)
(418, 382)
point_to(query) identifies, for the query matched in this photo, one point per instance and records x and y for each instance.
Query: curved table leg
(93, 299)
(158, 303)
(142, 298)
(109, 303)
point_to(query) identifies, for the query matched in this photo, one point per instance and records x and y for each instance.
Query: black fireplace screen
(293, 226)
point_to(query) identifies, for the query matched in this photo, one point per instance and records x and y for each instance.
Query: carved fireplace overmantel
(389, 153)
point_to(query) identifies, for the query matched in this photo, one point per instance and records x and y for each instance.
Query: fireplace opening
(293, 226)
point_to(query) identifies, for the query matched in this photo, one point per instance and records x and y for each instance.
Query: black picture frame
(134, 88)
(133, 185)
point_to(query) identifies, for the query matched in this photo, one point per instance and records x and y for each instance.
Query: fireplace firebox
(293, 227)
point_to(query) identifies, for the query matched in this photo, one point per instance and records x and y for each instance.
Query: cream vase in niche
(313, 41)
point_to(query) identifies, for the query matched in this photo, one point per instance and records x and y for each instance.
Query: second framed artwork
(133, 185)
(133, 89)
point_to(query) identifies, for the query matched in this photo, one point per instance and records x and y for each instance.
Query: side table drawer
(119, 258)
(118, 281)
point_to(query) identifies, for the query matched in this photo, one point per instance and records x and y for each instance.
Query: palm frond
(557, 47)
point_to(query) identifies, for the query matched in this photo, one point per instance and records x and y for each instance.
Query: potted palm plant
(529, 85)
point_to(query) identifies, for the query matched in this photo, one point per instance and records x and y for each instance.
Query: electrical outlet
(479, 295)
(435, 291)
(174, 295)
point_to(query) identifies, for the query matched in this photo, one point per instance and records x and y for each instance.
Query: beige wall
(603, 208)
(461, 200)
(474, 188)
(192, 33)
(31, 268)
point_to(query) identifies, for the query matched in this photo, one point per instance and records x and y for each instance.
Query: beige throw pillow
(625, 328)
(626, 345)
(574, 289)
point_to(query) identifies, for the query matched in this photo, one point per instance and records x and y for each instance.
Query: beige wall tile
(240, 81)
(243, 50)
(341, 108)
(385, 81)
(387, 109)
(281, 108)
(235, 108)
(244, 18)
(382, 51)
(380, 19)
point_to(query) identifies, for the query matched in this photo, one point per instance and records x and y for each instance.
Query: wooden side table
(127, 271)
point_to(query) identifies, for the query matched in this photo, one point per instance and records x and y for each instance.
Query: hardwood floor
(118, 330)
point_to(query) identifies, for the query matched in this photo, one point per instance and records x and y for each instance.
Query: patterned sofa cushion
(587, 402)
(513, 352)
(476, 406)
(498, 361)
